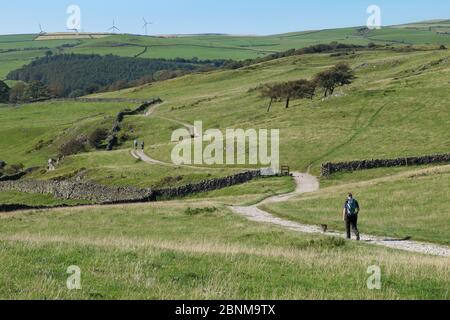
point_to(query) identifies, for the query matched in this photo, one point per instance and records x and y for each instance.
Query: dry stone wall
(330, 168)
(113, 138)
(100, 194)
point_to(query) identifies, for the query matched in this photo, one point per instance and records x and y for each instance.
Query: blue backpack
(352, 207)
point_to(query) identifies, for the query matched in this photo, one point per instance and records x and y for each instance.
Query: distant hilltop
(71, 35)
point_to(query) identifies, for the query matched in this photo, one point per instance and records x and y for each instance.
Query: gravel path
(139, 154)
(307, 183)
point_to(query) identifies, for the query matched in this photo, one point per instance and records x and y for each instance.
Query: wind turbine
(146, 24)
(114, 28)
(41, 32)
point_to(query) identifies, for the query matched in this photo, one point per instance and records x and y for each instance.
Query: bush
(4, 92)
(73, 146)
(17, 93)
(97, 137)
(197, 211)
(14, 168)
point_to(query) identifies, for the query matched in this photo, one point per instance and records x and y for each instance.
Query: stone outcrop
(330, 168)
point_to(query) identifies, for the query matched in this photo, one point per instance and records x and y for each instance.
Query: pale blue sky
(212, 16)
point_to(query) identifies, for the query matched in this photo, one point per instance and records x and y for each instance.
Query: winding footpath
(307, 183)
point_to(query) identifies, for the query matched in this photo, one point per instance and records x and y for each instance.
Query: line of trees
(24, 92)
(317, 48)
(328, 80)
(73, 75)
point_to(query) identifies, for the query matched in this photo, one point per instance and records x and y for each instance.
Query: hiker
(142, 145)
(136, 143)
(350, 216)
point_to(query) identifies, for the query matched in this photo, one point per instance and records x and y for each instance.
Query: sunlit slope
(30, 134)
(398, 106)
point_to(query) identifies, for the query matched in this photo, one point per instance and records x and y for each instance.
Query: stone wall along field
(100, 194)
(330, 168)
(113, 139)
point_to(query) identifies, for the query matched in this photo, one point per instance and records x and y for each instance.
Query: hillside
(201, 247)
(379, 116)
(380, 110)
(17, 50)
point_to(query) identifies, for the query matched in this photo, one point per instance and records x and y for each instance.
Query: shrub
(198, 211)
(14, 168)
(97, 137)
(4, 92)
(73, 146)
(17, 93)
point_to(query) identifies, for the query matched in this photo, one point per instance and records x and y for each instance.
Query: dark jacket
(356, 205)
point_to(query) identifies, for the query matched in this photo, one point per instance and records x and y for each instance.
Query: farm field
(25, 47)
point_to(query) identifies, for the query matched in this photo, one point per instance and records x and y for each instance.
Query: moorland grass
(410, 204)
(162, 251)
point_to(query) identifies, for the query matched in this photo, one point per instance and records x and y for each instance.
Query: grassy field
(165, 251)
(409, 204)
(376, 117)
(379, 116)
(31, 134)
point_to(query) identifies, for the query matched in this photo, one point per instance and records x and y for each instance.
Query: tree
(56, 89)
(337, 76)
(300, 89)
(36, 90)
(17, 93)
(4, 92)
(274, 92)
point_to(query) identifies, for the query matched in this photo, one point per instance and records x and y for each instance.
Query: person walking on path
(136, 143)
(142, 145)
(350, 216)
